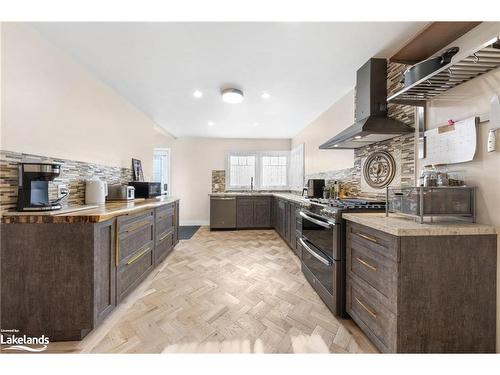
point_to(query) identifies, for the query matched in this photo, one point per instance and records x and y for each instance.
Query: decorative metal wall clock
(379, 169)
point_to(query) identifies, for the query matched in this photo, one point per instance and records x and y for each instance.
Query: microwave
(146, 189)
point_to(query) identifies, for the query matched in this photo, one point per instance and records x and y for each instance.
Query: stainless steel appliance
(315, 188)
(323, 240)
(33, 193)
(119, 192)
(146, 189)
(222, 212)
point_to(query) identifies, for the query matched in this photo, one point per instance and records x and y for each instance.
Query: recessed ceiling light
(197, 94)
(211, 123)
(335, 145)
(358, 137)
(256, 124)
(265, 95)
(232, 96)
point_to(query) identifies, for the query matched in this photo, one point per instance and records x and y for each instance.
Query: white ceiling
(305, 67)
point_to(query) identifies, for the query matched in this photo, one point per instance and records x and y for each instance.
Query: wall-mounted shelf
(462, 68)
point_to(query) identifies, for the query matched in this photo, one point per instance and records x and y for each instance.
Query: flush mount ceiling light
(265, 95)
(211, 123)
(232, 95)
(256, 124)
(197, 94)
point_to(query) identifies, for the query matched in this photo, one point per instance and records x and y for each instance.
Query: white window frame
(257, 184)
(228, 169)
(263, 154)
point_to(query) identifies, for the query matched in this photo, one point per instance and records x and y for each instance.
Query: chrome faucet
(251, 183)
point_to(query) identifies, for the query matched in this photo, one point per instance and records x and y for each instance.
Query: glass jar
(442, 175)
(428, 177)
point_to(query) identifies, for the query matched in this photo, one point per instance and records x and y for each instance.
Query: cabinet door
(262, 213)
(176, 224)
(281, 217)
(244, 213)
(292, 221)
(287, 223)
(104, 270)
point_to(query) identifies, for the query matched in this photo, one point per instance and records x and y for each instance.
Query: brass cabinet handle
(369, 311)
(163, 237)
(366, 264)
(138, 226)
(138, 255)
(369, 238)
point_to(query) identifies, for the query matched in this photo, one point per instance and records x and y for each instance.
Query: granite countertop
(288, 196)
(405, 226)
(90, 214)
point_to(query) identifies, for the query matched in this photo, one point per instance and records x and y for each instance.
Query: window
(274, 171)
(161, 169)
(241, 171)
(269, 170)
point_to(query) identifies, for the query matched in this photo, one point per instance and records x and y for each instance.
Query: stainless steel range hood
(372, 124)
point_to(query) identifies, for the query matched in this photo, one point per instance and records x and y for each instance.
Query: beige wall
(54, 107)
(335, 119)
(469, 99)
(193, 160)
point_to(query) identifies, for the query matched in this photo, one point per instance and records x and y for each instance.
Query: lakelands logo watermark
(15, 341)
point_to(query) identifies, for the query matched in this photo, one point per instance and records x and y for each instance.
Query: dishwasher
(222, 213)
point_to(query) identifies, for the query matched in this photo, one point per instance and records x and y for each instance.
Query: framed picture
(137, 169)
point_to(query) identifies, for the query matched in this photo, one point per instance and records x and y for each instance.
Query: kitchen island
(63, 273)
(422, 288)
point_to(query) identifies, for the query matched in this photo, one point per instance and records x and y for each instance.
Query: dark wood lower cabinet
(285, 221)
(253, 212)
(62, 280)
(423, 294)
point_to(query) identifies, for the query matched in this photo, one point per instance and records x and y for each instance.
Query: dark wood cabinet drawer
(130, 241)
(133, 271)
(164, 245)
(165, 221)
(365, 306)
(377, 270)
(377, 241)
(164, 211)
(128, 223)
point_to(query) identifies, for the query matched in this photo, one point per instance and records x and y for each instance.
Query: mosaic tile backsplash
(73, 175)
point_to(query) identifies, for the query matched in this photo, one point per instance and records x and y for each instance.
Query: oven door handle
(315, 254)
(316, 221)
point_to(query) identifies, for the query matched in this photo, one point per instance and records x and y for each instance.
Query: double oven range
(323, 242)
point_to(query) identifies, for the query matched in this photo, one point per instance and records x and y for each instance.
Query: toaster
(119, 192)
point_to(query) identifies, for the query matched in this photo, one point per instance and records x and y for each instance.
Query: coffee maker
(33, 193)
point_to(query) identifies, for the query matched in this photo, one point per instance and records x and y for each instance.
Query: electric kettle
(95, 191)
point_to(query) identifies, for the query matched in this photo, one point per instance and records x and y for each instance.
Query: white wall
(469, 99)
(335, 119)
(193, 160)
(52, 106)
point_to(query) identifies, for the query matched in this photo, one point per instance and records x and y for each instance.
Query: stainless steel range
(323, 243)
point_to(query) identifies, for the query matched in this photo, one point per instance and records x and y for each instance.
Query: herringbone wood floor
(238, 291)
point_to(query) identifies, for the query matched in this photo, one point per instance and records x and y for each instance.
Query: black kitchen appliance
(372, 123)
(315, 188)
(146, 189)
(33, 193)
(323, 241)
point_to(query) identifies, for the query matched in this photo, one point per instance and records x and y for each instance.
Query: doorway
(161, 169)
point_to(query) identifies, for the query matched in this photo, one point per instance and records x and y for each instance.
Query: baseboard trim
(193, 222)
